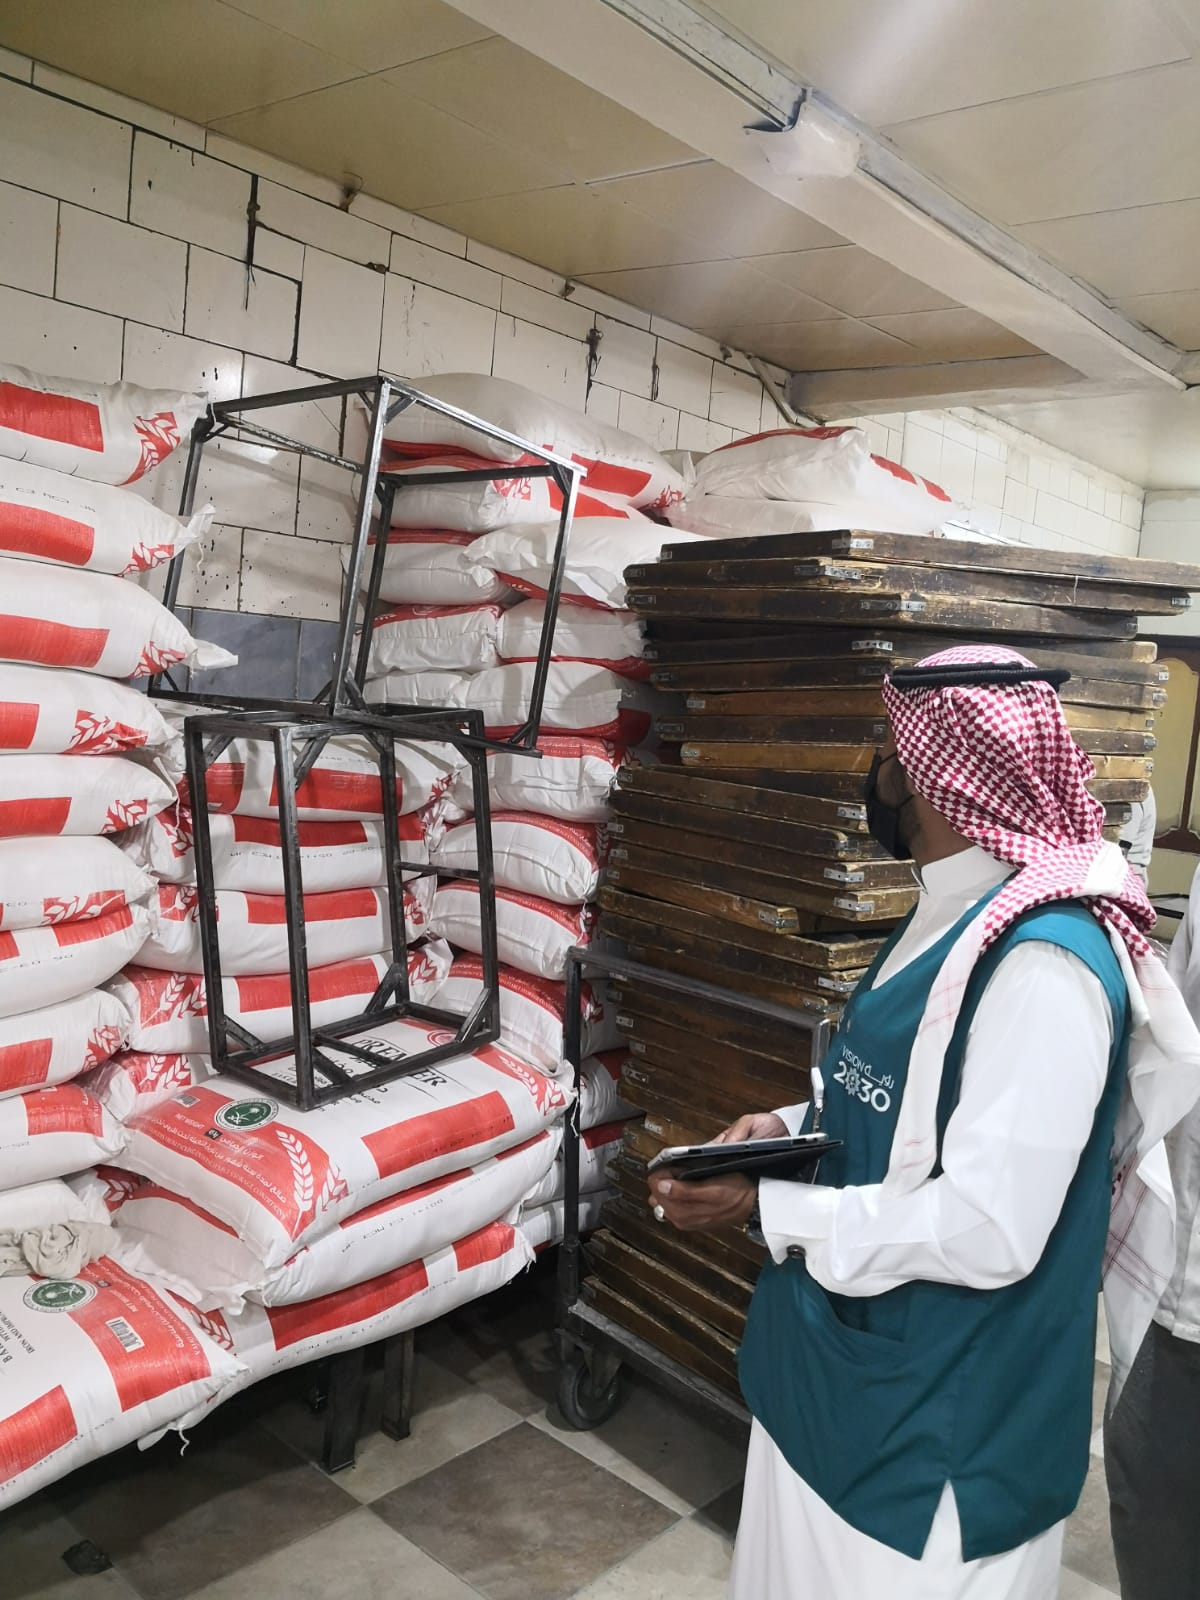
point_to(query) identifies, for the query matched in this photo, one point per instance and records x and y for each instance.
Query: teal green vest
(879, 1402)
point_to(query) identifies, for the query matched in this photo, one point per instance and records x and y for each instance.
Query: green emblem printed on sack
(242, 1114)
(59, 1294)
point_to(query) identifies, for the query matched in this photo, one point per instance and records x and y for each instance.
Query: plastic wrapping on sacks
(109, 432)
(133, 1082)
(532, 934)
(571, 780)
(339, 926)
(52, 1045)
(45, 796)
(94, 1363)
(426, 566)
(610, 639)
(40, 967)
(44, 881)
(543, 1224)
(532, 1012)
(413, 638)
(50, 711)
(171, 1239)
(281, 1178)
(597, 1147)
(50, 516)
(50, 1133)
(46, 1205)
(57, 617)
(248, 854)
(599, 550)
(615, 462)
(532, 854)
(169, 1010)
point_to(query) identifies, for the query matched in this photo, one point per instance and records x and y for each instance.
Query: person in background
(919, 1354)
(1137, 836)
(1152, 1437)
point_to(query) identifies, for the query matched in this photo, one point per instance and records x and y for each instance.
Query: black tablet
(758, 1158)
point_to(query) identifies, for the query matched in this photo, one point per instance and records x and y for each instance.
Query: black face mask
(883, 820)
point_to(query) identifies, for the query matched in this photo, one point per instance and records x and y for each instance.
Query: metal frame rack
(592, 1347)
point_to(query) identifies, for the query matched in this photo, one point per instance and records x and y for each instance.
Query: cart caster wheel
(584, 1406)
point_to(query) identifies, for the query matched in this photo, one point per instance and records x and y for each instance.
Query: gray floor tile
(174, 1523)
(723, 1512)
(1088, 1548)
(502, 1345)
(357, 1559)
(524, 1518)
(680, 1456)
(1076, 1588)
(33, 1537)
(689, 1560)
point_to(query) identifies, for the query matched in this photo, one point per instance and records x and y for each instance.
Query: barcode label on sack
(129, 1341)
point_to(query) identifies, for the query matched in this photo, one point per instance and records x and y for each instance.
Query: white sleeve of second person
(1035, 1067)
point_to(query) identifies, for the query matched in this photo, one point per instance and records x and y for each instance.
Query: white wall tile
(959, 433)
(895, 447)
(426, 331)
(548, 362)
(113, 266)
(957, 473)
(986, 519)
(64, 150)
(212, 570)
(251, 485)
(1039, 473)
(988, 488)
(290, 577)
(545, 310)
(1060, 479)
(328, 501)
(14, 66)
(922, 452)
(327, 227)
(219, 309)
(178, 191)
(276, 253)
(603, 403)
(1112, 504)
(648, 420)
(450, 273)
(1042, 538)
(28, 234)
(700, 435)
(627, 358)
(685, 379)
(934, 421)
(1011, 527)
(135, 112)
(877, 435)
(1095, 499)
(509, 266)
(172, 361)
(435, 234)
(316, 422)
(736, 399)
(60, 339)
(584, 295)
(1054, 513)
(700, 342)
(989, 444)
(1017, 466)
(1078, 492)
(1131, 510)
(222, 148)
(341, 316)
(1019, 499)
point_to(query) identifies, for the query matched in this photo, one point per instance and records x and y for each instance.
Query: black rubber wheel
(583, 1406)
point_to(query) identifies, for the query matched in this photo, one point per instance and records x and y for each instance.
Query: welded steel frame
(385, 396)
(603, 1343)
(296, 744)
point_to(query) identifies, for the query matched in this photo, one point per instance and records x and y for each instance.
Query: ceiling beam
(681, 70)
(858, 391)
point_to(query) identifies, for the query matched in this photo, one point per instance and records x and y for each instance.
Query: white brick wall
(123, 243)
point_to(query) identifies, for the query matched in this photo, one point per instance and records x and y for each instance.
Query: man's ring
(659, 1214)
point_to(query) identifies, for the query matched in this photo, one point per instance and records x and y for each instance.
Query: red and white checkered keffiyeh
(999, 764)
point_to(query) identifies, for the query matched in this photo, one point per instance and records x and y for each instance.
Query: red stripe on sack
(309, 835)
(46, 535)
(171, 1356)
(407, 1197)
(90, 929)
(488, 1244)
(606, 477)
(586, 505)
(24, 1066)
(582, 835)
(66, 1109)
(422, 613)
(35, 1432)
(9, 948)
(906, 476)
(273, 991)
(18, 724)
(606, 1133)
(613, 1061)
(405, 455)
(223, 784)
(270, 910)
(59, 417)
(50, 644)
(783, 433)
(348, 1307)
(428, 535)
(436, 1133)
(333, 789)
(33, 816)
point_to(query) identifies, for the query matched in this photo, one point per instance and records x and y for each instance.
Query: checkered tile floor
(489, 1497)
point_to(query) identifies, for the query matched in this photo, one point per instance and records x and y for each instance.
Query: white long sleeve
(1034, 1070)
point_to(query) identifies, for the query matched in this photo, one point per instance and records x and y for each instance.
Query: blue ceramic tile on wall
(317, 643)
(267, 649)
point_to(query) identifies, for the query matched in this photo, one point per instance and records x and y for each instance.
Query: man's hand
(711, 1203)
(758, 1125)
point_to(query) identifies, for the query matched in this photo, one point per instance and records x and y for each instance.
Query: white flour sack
(45, 1205)
(39, 1049)
(616, 463)
(65, 880)
(169, 1011)
(135, 1081)
(597, 1147)
(480, 505)
(600, 1092)
(248, 855)
(48, 795)
(109, 432)
(610, 639)
(56, 617)
(571, 780)
(599, 550)
(343, 783)
(413, 638)
(281, 1178)
(48, 516)
(51, 1132)
(531, 1013)
(531, 854)
(533, 935)
(171, 1239)
(104, 1190)
(91, 1364)
(338, 926)
(426, 566)
(46, 711)
(543, 1224)
(42, 966)
(830, 468)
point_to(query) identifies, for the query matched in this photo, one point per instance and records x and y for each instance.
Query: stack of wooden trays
(749, 866)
